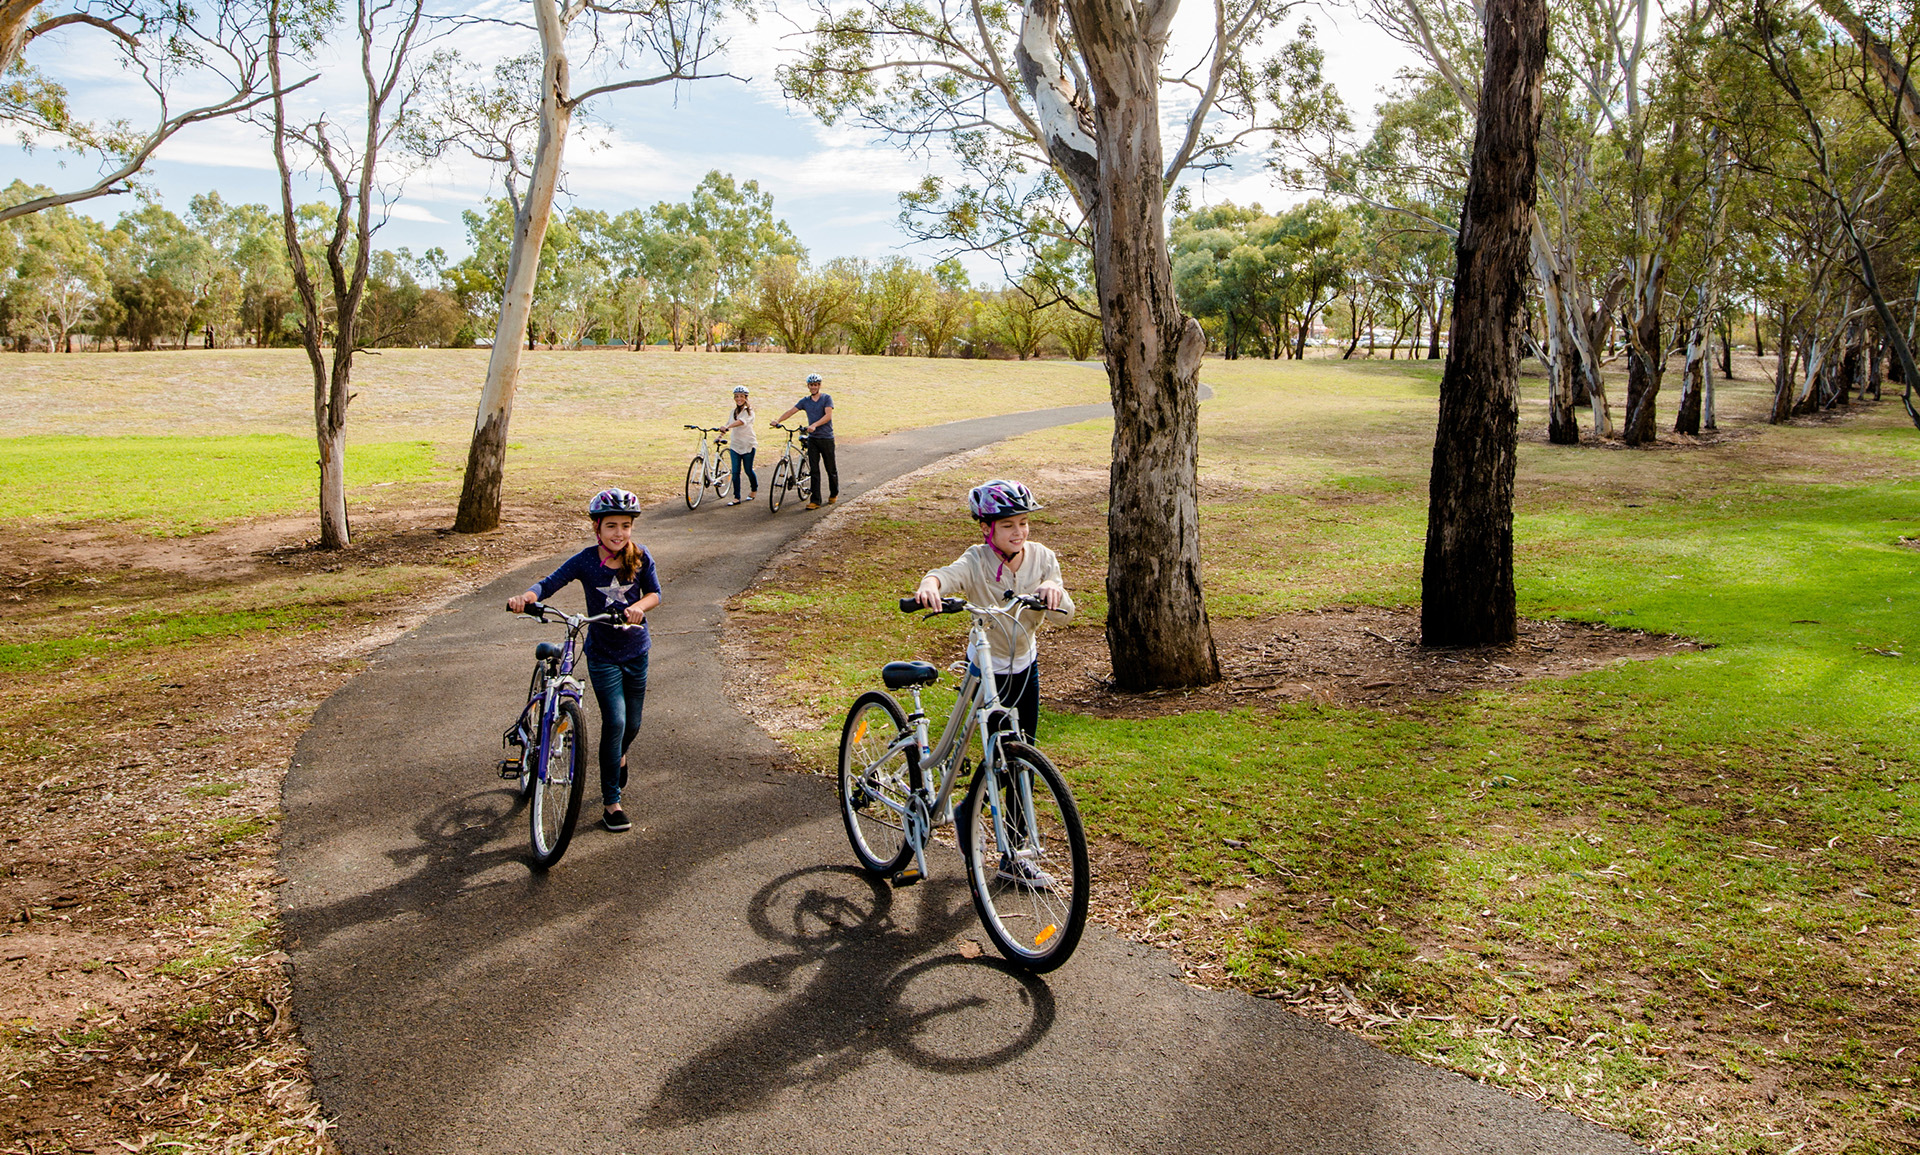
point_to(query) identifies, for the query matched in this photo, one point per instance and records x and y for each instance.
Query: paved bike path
(719, 979)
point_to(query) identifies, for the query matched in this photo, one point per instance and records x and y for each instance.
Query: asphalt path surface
(720, 978)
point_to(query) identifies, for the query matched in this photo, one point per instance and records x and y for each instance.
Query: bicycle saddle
(545, 652)
(900, 675)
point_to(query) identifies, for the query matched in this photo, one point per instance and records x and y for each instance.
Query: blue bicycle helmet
(609, 502)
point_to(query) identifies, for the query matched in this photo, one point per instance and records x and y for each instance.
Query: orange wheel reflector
(860, 731)
(1041, 938)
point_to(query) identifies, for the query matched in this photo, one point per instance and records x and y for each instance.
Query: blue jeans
(746, 459)
(621, 690)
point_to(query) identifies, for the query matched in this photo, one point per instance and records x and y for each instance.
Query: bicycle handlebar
(541, 610)
(959, 605)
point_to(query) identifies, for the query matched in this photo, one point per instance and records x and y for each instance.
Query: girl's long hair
(629, 561)
(747, 406)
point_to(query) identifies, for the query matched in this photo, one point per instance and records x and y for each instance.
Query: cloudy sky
(837, 186)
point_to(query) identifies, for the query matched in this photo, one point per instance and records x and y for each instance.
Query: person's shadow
(870, 991)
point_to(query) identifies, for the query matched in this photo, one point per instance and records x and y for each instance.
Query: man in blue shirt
(818, 407)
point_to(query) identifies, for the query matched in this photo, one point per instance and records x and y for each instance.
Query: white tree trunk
(486, 456)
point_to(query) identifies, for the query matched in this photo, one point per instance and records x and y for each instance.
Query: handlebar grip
(535, 609)
(909, 605)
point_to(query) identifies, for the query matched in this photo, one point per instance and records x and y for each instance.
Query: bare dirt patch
(1346, 656)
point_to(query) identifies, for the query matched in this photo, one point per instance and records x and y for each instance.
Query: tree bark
(1157, 630)
(487, 453)
(1467, 594)
(1646, 356)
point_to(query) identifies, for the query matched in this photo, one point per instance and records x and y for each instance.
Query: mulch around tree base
(1345, 656)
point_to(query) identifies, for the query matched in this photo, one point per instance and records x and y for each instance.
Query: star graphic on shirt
(615, 592)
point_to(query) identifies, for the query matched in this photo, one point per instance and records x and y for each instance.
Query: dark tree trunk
(1467, 595)
(1782, 377)
(1726, 350)
(1876, 352)
(1645, 363)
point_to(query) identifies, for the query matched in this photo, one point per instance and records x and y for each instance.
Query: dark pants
(744, 459)
(820, 453)
(621, 690)
(1021, 693)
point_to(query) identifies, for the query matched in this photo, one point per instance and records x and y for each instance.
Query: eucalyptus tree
(799, 305)
(735, 219)
(1802, 130)
(210, 60)
(889, 299)
(633, 44)
(1055, 112)
(348, 157)
(1466, 578)
(949, 310)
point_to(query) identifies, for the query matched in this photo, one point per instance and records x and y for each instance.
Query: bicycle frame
(557, 682)
(976, 708)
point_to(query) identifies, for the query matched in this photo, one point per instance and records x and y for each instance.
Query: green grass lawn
(186, 484)
(1674, 895)
(581, 420)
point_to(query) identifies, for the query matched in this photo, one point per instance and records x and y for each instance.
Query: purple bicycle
(547, 736)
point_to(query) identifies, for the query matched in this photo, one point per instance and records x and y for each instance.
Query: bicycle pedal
(509, 768)
(906, 876)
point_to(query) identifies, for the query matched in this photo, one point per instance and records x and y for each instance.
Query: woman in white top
(742, 442)
(1006, 560)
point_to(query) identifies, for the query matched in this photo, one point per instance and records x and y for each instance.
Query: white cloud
(410, 212)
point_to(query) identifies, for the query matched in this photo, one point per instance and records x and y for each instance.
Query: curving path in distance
(720, 979)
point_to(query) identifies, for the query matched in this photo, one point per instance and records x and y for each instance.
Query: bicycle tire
(721, 482)
(777, 485)
(556, 792)
(1031, 893)
(871, 770)
(696, 481)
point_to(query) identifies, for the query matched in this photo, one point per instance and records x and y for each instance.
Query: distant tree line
(718, 271)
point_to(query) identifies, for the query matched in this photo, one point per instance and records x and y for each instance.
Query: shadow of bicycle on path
(871, 992)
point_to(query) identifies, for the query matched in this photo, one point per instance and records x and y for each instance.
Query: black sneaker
(617, 821)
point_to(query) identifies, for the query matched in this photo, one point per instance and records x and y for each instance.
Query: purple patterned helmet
(993, 500)
(609, 502)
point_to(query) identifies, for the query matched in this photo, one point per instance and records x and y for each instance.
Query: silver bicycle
(707, 469)
(1018, 827)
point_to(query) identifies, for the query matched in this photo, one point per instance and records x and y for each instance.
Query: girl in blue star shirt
(619, 578)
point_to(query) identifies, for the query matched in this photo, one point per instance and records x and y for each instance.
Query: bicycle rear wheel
(721, 482)
(557, 788)
(876, 782)
(696, 481)
(777, 485)
(1026, 859)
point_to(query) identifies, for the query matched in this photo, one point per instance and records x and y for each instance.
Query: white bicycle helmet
(609, 502)
(993, 500)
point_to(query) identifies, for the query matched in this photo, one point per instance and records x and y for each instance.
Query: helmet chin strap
(986, 531)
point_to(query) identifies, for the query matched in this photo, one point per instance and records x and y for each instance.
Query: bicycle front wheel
(876, 782)
(777, 485)
(557, 788)
(1026, 858)
(696, 481)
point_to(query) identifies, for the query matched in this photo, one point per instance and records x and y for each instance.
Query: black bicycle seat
(900, 675)
(545, 652)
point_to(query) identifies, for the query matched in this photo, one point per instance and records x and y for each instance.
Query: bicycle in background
(706, 471)
(548, 734)
(791, 472)
(1018, 826)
